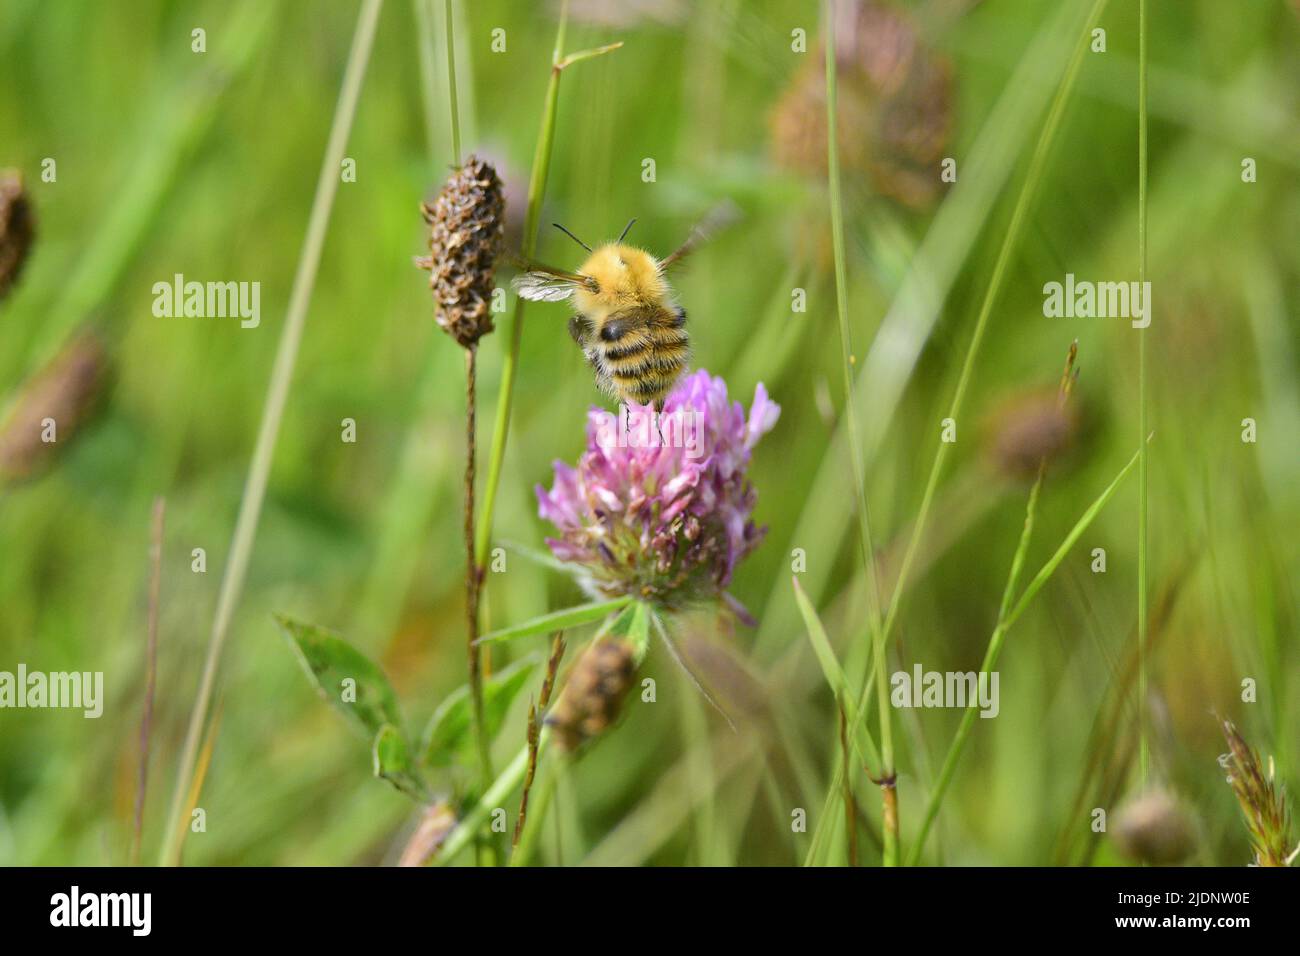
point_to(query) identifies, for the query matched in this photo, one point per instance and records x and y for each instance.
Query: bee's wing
(718, 218)
(542, 283)
(542, 287)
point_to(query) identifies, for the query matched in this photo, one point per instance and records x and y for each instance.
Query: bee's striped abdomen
(644, 353)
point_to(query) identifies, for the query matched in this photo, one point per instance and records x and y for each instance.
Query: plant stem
(151, 670)
(425, 48)
(510, 365)
(250, 507)
(850, 805)
(473, 577)
(1144, 756)
(887, 776)
(527, 842)
(535, 728)
(492, 798)
(451, 87)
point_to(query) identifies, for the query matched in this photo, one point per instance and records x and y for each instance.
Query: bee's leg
(582, 332)
(659, 420)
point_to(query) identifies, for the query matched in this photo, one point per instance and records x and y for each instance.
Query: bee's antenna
(571, 236)
(627, 229)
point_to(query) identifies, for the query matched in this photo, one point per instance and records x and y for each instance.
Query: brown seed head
(466, 227)
(1153, 829)
(1029, 428)
(17, 228)
(593, 694)
(894, 106)
(67, 393)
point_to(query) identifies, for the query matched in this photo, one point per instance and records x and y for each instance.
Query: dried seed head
(593, 694)
(17, 228)
(1029, 428)
(894, 106)
(1262, 800)
(467, 223)
(1153, 829)
(51, 407)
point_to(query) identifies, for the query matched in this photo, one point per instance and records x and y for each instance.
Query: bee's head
(616, 275)
(620, 273)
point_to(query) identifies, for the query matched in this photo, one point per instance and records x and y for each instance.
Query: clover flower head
(659, 506)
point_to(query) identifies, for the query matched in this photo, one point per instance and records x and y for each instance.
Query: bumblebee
(627, 322)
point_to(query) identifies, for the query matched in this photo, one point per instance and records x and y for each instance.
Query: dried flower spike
(1262, 800)
(17, 228)
(594, 692)
(467, 224)
(51, 407)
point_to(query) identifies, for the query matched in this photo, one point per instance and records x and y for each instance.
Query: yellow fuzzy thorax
(624, 275)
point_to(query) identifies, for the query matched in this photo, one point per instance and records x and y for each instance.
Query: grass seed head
(1263, 801)
(467, 223)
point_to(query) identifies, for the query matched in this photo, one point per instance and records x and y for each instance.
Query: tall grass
(1033, 177)
(277, 394)
(889, 797)
(1144, 753)
(453, 101)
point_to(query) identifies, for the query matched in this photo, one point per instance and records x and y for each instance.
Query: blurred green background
(174, 162)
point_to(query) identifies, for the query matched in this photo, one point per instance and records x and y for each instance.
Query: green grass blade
(1144, 757)
(821, 644)
(1006, 619)
(277, 395)
(556, 621)
(958, 744)
(1079, 528)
